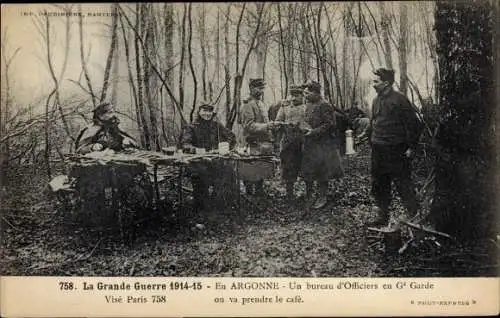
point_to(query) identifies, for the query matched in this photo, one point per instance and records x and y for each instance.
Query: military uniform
(208, 134)
(105, 133)
(292, 140)
(393, 130)
(254, 119)
(321, 159)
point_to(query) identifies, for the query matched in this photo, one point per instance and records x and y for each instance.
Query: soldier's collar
(386, 91)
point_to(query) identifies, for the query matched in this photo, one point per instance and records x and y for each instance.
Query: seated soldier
(103, 133)
(206, 132)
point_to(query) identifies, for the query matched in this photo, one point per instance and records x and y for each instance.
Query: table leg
(181, 196)
(157, 187)
(238, 184)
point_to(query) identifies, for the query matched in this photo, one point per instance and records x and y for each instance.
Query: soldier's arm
(281, 115)
(227, 135)
(367, 134)
(328, 121)
(85, 148)
(248, 120)
(410, 121)
(187, 137)
(86, 141)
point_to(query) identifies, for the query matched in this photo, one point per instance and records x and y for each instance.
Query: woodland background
(157, 62)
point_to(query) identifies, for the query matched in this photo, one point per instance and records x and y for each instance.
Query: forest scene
(158, 63)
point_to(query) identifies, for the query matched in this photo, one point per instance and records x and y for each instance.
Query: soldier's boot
(259, 188)
(321, 200)
(200, 193)
(382, 217)
(309, 193)
(289, 191)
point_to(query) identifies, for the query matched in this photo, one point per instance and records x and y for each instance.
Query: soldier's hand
(273, 125)
(127, 142)
(97, 147)
(409, 153)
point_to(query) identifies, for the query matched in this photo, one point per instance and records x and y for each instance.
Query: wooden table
(246, 167)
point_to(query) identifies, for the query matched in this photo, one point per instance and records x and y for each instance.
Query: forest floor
(268, 237)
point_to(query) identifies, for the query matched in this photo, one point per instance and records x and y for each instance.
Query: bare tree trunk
(149, 78)
(403, 60)
(54, 78)
(305, 53)
(140, 77)
(191, 66)
(82, 57)
(283, 51)
(168, 114)
(291, 28)
(217, 54)
(116, 75)
(385, 24)
(182, 67)
(5, 114)
(109, 61)
(132, 84)
(47, 136)
(227, 75)
(203, 46)
(240, 74)
(153, 68)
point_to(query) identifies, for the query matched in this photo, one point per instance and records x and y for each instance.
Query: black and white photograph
(250, 139)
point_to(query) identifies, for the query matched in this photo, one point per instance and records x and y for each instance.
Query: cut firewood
(425, 229)
(382, 230)
(405, 245)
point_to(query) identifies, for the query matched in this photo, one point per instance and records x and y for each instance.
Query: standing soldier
(393, 135)
(292, 115)
(321, 158)
(257, 128)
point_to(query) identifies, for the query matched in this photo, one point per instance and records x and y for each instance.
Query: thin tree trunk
(386, 21)
(82, 57)
(203, 45)
(131, 82)
(54, 78)
(240, 75)
(284, 88)
(109, 61)
(140, 77)
(227, 75)
(403, 60)
(149, 78)
(47, 136)
(182, 67)
(191, 66)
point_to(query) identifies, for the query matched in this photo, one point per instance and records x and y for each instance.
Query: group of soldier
(304, 131)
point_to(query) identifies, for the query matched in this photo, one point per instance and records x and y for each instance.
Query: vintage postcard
(261, 159)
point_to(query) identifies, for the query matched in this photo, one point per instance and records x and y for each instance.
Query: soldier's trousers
(291, 161)
(389, 164)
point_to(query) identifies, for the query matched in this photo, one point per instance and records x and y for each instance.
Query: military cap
(102, 108)
(256, 82)
(313, 86)
(386, 75)
(207, 105)
(296, 89)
